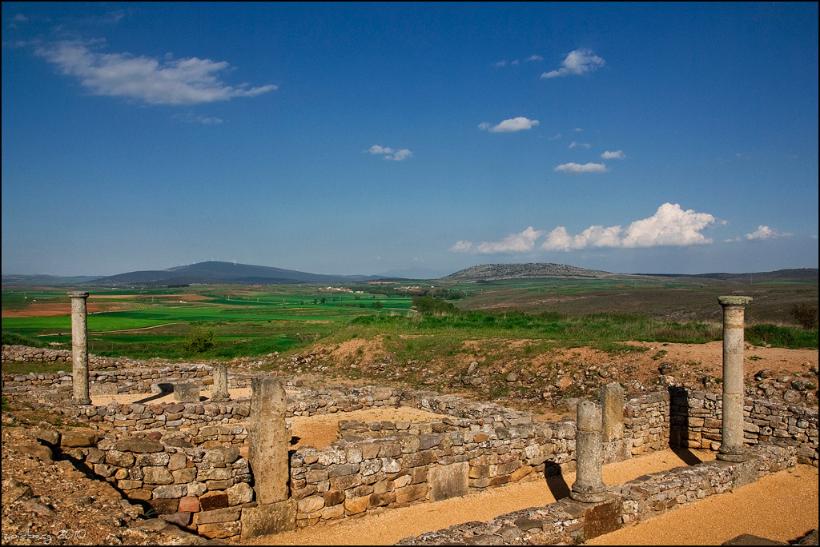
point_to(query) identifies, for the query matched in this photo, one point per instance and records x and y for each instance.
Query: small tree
(200, 341)
(805, 315)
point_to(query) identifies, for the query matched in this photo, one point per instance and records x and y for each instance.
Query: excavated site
(135, 452)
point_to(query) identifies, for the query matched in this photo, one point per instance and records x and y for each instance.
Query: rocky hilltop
(531, 269)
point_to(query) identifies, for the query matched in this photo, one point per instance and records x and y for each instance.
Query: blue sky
(409, 138)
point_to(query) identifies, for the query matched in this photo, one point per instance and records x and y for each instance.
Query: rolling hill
(518, 271)
(214, 272)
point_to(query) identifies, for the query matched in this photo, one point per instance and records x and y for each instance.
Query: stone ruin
(226, 468)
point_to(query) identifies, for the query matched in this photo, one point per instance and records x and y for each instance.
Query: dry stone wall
(195, 483)
(696, 419)
(570, 522)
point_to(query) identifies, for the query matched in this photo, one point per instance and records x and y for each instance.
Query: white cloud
(764, 232)
(575, 144)
(501, 63)
(669, 226)
(577, 62)
(514, 243)
(174, 82)
(534, 58)
(589, 167)
(613, 155)
(555, 137)
(198, 118)
(462, 246)
(390, 153)
(521, 242)
(514, 62)
(519, 123)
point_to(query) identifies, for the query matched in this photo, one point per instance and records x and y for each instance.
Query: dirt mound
(359, 350)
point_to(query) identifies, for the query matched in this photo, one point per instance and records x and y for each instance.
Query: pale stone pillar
(186, 393)
(79, 347)
(589, 486)
(219, 390)
(269, 440)
(731, 444)
(612, 409)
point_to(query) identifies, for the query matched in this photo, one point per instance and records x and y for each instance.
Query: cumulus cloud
(172, 82)
(573, 167)
(575, 144)
(520, 242)
(669, 226)
(764, 232)
(462, 246)
(613, 155)
(534, 58)
(519, 123)
(391, 154)
(577, 62)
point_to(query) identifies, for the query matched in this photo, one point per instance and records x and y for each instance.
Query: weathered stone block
(356, 505)
(139, 446)
(227, 514)
(170, 491)
(189, 504)
(219, 530)
(239, 493)
(78, 438)
(213, 500)
(157, 475)
(447, 481)
(269, 518)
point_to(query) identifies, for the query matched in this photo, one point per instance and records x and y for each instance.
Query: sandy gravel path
(391, 525)
(782, 506)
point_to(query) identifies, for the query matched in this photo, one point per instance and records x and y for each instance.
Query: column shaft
(220, 386)
(731, 444)
(269, 440)
(589, 485)
(79, 347)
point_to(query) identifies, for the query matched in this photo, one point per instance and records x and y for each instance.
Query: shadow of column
(555, 480)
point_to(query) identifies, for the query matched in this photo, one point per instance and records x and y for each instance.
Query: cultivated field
(553, 312)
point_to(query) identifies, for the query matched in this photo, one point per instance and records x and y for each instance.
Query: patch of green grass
(659, 355)
(782, 337)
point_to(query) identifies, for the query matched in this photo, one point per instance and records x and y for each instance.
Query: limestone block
(268, 518)
(447, 481)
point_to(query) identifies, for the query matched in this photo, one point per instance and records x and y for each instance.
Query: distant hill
(214, 272)
(794, 274)
(529, 270)
(45, 280)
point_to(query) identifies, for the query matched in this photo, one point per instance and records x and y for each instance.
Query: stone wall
(190, 481)
(696, 422)
(570, 522)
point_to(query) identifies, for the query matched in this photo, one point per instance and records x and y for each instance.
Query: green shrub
(200, 341)
(805, 315)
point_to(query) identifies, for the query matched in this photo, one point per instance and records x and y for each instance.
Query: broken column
(612, 410)
(732, 448)
(589, 486)
(219, 391)
(269, 459)
(612, 424)
(79, 347)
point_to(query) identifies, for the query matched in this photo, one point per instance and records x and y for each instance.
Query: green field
(256, 320)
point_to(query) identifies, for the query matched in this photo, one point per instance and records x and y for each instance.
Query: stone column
(219, 390)
(79, 347)
(589, 486)
(269, 440)
(612, 408)
(732, 448)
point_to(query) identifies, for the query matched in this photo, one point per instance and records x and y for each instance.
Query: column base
(589, 495)
(733, 455)
(84, 403)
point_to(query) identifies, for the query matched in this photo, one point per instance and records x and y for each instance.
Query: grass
(257, 320)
